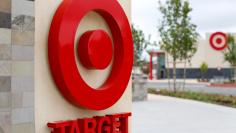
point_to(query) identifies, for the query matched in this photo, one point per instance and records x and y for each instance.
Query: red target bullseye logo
(218, 41)
(95, 51)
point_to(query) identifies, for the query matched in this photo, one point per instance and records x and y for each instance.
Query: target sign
(218, 41)
(95, 51)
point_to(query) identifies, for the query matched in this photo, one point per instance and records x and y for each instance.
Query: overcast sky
(208, 15)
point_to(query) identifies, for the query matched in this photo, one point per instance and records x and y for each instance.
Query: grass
(229, 101)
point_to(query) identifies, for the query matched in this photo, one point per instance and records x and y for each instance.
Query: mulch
(228, 85)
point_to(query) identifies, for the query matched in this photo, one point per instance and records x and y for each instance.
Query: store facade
(206, 52)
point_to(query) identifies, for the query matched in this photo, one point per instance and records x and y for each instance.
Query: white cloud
(208, 15)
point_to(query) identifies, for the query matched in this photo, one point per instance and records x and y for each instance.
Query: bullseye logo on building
(218, 41)
(95, 51)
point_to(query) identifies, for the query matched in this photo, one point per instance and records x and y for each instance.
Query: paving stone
(5, 6)
(22, 37)
(22, 68)
(5, 36)
(1, 130)
(5, 122)
(17, 100)
(22, 115)
(5, 52)
(5, 84)
(23, 23)
(25, 8)
(28, 99)
(5, 20)
(22, 84)
(5, 68)
(22, 53)
(23, 128)
(5, 100)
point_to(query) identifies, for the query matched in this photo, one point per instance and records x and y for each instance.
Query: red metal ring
(62, 56)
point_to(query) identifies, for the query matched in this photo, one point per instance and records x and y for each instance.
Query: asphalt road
(194, 87)
(162, 114)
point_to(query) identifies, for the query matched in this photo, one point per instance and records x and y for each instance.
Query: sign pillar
(67, 61)
(73, 84)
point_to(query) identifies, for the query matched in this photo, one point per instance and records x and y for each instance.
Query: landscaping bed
(225, 85)
(209, 98)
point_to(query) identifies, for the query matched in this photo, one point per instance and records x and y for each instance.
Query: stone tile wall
(5, 66)
(17, 66)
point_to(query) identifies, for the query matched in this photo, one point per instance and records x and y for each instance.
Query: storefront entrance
(158, 68)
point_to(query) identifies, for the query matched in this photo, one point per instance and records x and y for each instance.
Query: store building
(206, 52)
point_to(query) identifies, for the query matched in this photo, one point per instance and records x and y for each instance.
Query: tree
(178, 34)
(189, 35)
(230, 54)
(139, 44)
(203, 69)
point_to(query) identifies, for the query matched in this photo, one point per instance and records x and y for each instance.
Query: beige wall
(214, 58)
(205, 53)
(49, 104)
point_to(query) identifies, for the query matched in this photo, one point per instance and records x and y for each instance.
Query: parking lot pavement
(162, 114)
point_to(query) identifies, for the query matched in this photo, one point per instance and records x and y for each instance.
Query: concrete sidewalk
(162, 114)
